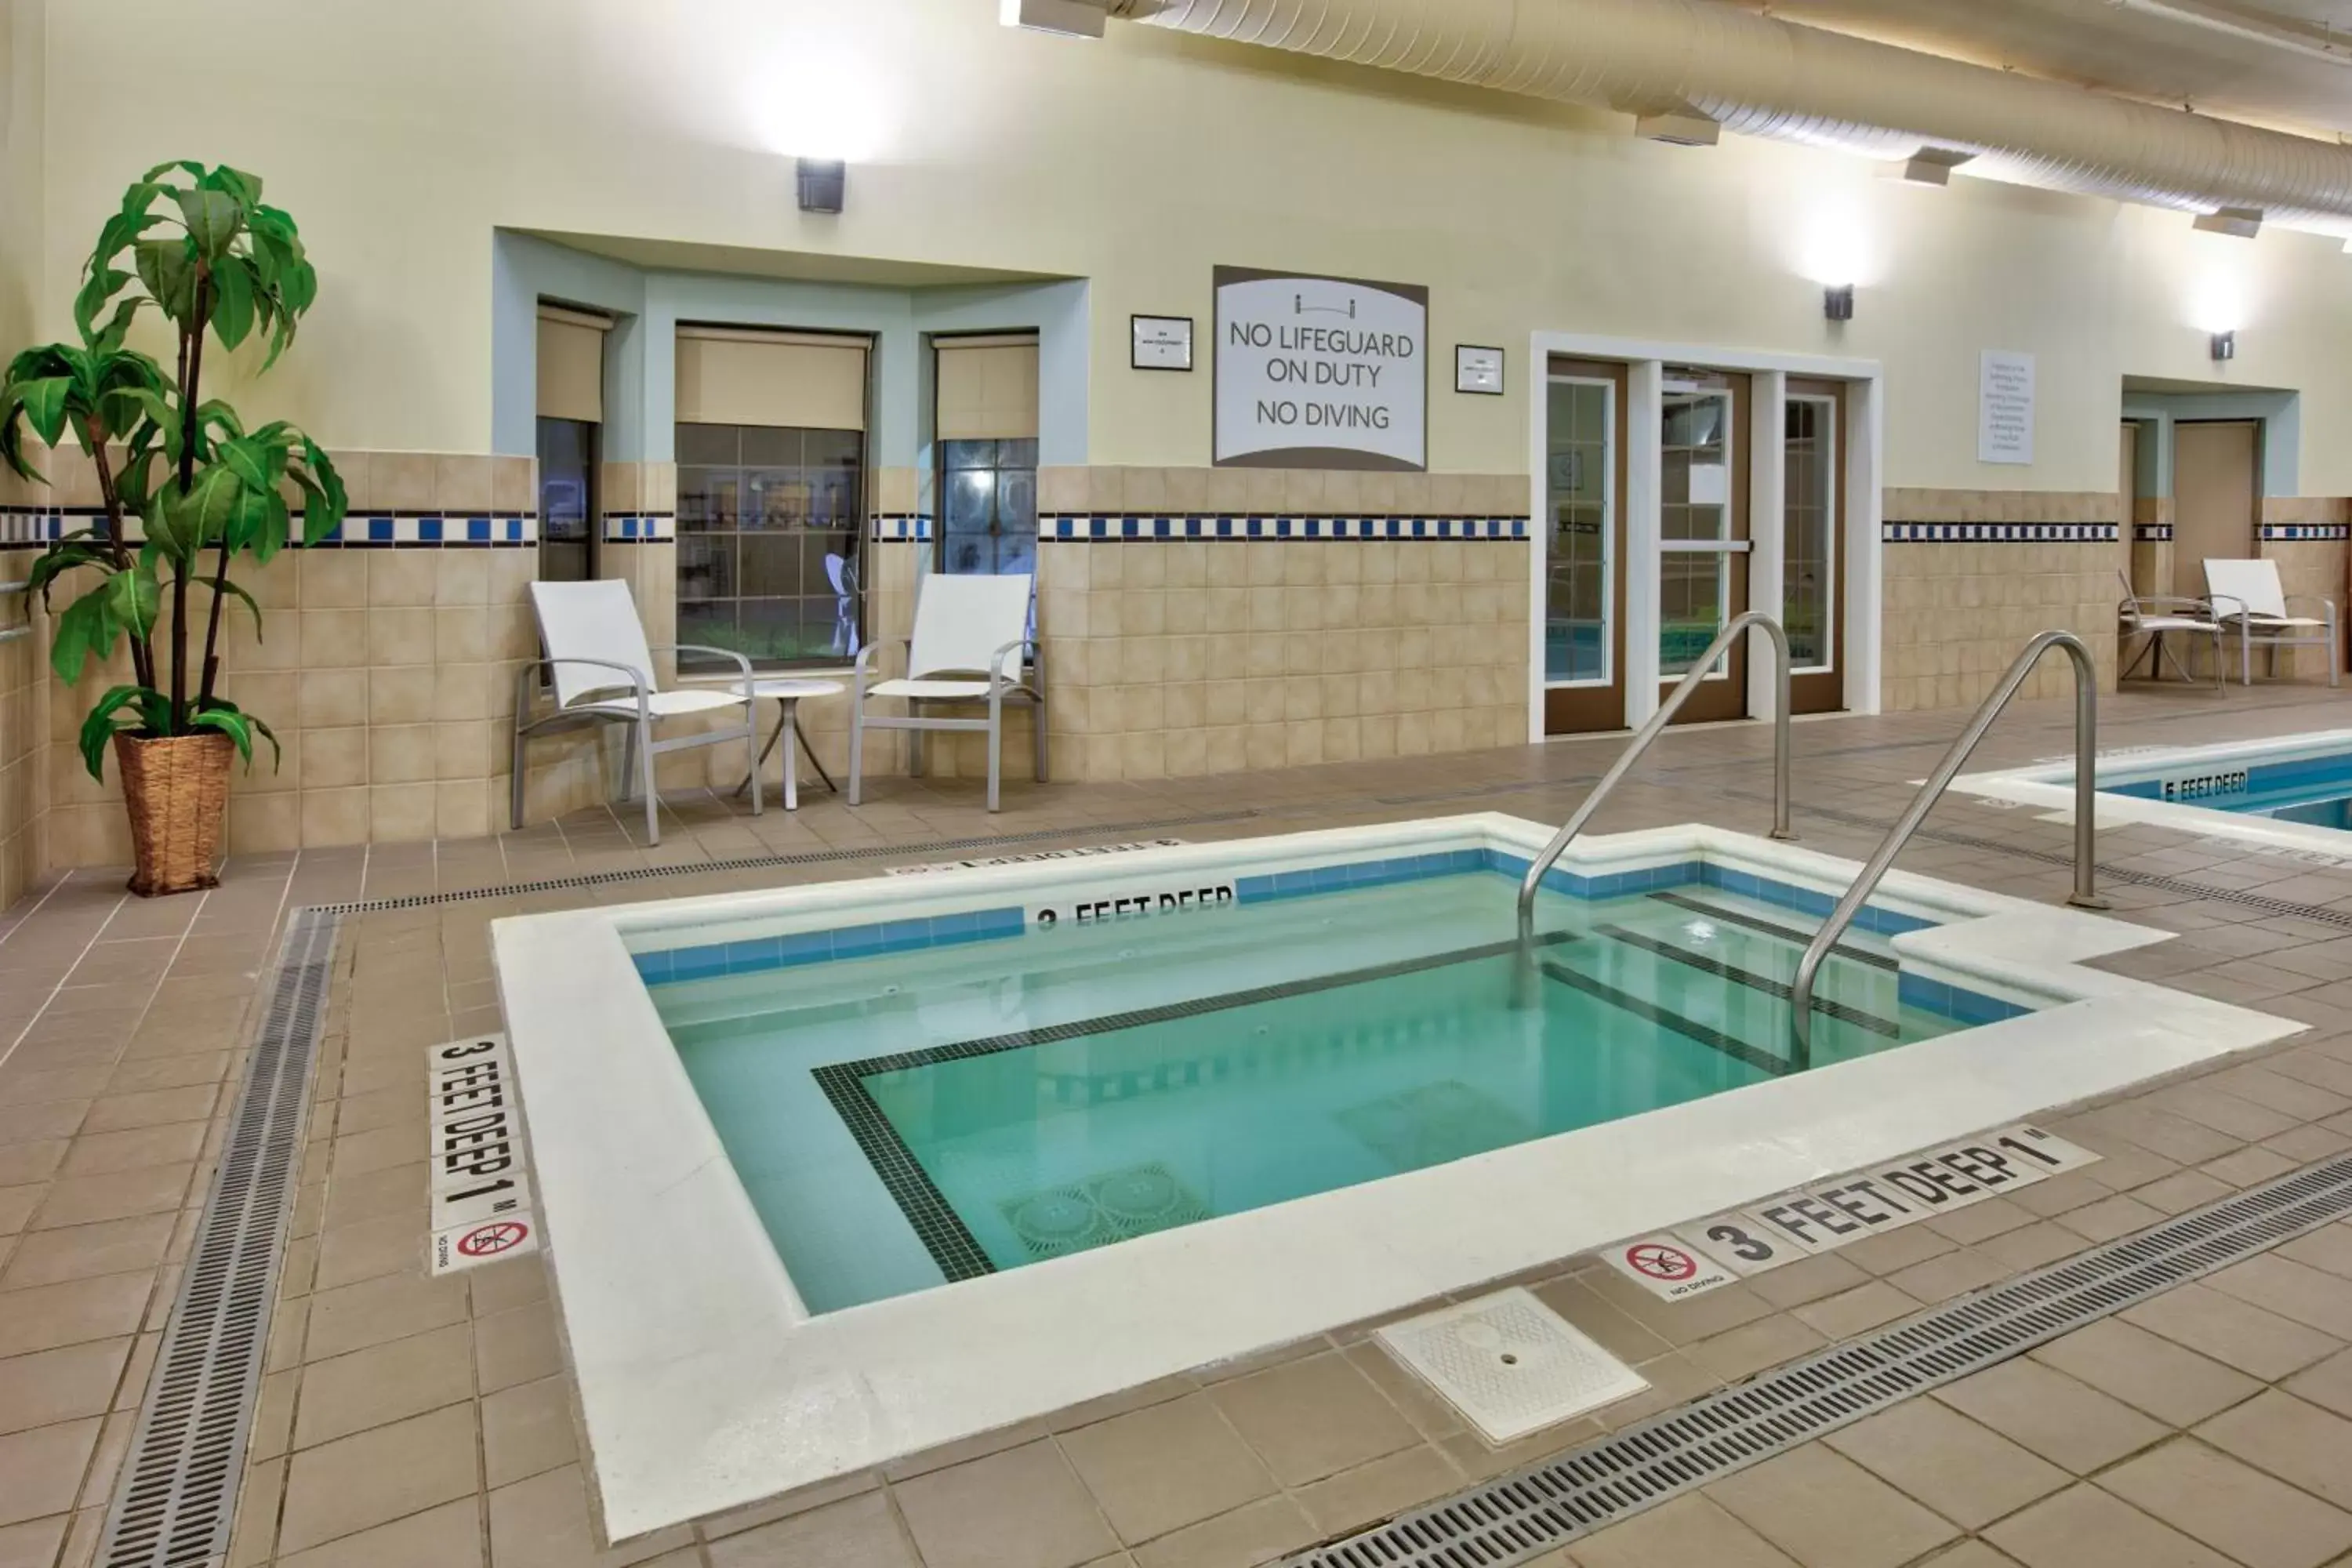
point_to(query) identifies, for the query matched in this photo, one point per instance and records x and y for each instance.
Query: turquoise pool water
(906, 1119)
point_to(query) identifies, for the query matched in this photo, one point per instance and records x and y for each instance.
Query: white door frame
(1645, 360)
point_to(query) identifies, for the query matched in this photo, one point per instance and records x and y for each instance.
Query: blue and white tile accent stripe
(899, 528)
(1999, 532)
(2284, 533)
(1147, 529)
(641, 528)
(2152, 532)
(758, 954)
(382, 530)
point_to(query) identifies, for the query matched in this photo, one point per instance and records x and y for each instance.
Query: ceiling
(2099, 43)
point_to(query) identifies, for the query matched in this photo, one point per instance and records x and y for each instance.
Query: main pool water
(907, 1120)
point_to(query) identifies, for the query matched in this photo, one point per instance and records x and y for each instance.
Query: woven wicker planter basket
(177, 793)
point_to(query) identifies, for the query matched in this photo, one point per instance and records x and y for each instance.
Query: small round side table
(786, 693)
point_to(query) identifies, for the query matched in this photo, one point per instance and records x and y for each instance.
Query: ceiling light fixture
(2237, 223)
(2278, 34)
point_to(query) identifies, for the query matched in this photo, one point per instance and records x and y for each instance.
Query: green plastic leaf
(199, 514)
(107, 719)
(102, 284)
(81, 633)
(168, 268)
(326, 502)
(233, 305)
(236, 592)
(133, 599)
(44, 405)
(236, 726)
(212, 217)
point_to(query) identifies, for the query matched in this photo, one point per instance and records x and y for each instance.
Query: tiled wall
(2307, 536)
(24, 730)
(1998, 567)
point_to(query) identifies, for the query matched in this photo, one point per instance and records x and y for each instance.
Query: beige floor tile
(82, 1251)
(60, 1384)
(1312, 1418)
(34, 1544)
(152, 1107)
(384, 1383)
(1608, 1326)
(394, 1190)
(103, 1153)
(1896, 1249)
(2182, 1191)
(1376, 1492)
(377, 1476)
(368, 1248)
(449, 1536)
(1682, 1322)
(516, 1346)
(1967, 1473)
(2084, 1527)
(526, 1429)
(1809, 1280)
(1258, 1533)
(1675, 1379)
(2231, 1507)
(1752, 1347)
(72, 1313)
(1853, 1312)
(2173, 1384)
(1970, 1554)
(1020, 1508)
(2293, 1441)
(2061, 1420)
(1971, 1224)
(1951, 1274)
(2327, 1385)
(2329, 1250)
(2110, 1218)
(2031, 1246)
(118, 1195)
(2277, 1283)
(543, 1522)
(1689, 1529)
(1828, 1512)
(392, 1307)
(1158, 1469)
(2261, 1343)
(859, 1532)
(40, 1470)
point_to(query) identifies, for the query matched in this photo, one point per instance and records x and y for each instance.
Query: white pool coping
(704, 1385)
(2051, 786)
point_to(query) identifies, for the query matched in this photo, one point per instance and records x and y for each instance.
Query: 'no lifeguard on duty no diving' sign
(1320, 372)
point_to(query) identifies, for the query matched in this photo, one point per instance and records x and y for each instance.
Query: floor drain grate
(1526, 1514)
(177, 1497)
(768, 862)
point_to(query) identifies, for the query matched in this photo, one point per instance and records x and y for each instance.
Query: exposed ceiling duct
(1760, 76)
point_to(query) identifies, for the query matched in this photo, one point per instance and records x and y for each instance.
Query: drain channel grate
(177, 1497)
(766, 863)
(1526, 1514)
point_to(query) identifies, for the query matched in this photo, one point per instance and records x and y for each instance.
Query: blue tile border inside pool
(678, 964)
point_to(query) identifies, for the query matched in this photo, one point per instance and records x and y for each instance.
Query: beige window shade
(987, 390)
(571, 366)
(727, 377)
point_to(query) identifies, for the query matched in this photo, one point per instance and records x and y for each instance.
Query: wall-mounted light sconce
(824, 182)
(1837, 303)
(2237, 223)
(2225, 346)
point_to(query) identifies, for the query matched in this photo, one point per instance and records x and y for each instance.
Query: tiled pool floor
(406, 1420)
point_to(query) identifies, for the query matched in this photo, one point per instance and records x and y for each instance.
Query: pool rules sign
(1320, 372)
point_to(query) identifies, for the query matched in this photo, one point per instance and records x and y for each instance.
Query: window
(1577, 645)
(991, 515)
(986, 413)
(1808, 541)
(571, 419)
(768, 527)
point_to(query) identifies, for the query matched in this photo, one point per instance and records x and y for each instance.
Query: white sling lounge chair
(2247, 600)
(602, 671)
(2151, 616)
(971, 632)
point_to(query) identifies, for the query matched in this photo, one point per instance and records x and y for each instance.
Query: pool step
(1797, 935)
(1709, 963)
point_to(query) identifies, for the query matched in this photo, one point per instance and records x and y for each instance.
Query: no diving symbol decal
(489, 1240)
(1659, 1261)
(1666, 1269)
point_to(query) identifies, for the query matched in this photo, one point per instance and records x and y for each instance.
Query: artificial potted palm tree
(186, 489)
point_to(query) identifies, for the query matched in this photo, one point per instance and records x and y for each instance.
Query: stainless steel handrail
(1650, 731)
(2086, 754)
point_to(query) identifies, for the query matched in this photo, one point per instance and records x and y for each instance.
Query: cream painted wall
(21, 29)
(400, 136)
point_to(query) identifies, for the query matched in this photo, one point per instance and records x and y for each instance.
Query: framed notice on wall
(2004, 407)
(1320, 372)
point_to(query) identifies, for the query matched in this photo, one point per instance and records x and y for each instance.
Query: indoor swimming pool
(904, 1120)
(2291, 791)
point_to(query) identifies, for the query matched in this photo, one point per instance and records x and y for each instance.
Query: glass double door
(1707, 458)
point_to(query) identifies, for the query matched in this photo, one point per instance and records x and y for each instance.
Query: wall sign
(1320, 372)
(2004, 407)
(1160, 343)
(1478, 370)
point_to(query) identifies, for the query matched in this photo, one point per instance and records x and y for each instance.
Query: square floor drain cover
(1510, 1363)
